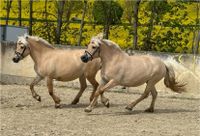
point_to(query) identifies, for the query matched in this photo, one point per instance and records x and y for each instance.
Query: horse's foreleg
(100, 90)
(143, 96)
(154, 96)
(95, 85)
(51, 93)
(83, 86)
(36, 80)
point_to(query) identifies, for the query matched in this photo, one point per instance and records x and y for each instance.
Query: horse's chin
(85, 61)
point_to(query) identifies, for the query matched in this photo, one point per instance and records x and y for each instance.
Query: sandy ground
(21, 115)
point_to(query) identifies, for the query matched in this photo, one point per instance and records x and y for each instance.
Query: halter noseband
(92, 54)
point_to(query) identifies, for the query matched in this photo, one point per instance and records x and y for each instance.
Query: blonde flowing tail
(171, 82)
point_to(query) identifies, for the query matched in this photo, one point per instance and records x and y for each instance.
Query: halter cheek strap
(21, 54)
(97, 49)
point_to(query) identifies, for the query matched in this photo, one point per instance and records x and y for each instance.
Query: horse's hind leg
(154, 96)
(143, 96)
(83, 86)
(50, 89)
(36, 80)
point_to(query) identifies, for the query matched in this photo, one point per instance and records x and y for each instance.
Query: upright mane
(111, 43)
(42, 41)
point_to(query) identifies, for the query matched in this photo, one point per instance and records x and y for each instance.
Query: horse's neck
(107, 54)
(37, 51)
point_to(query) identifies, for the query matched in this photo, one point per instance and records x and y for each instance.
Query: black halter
(92, 54)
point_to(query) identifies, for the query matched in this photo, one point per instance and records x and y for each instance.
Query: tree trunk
(20, 12)
(108, 21)
(60, 7)
(196, 50)
(31, 17)
(82, 23)
(68, 13)
(135, 24)
(9, 2)
(46, 20)
(148, 45)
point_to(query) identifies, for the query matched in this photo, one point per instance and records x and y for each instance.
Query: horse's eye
(93, 47)
(22, 47)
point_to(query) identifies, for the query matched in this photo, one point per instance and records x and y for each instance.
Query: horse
(52, 63)
(118, 68)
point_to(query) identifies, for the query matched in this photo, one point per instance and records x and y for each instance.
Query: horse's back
(137, 70)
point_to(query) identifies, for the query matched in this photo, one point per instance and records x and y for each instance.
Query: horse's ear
(26, 36)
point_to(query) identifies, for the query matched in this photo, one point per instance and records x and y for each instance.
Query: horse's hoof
(128, 108)
(107, 104)
(88, 109)
(151, 110)
(38, 98)
(57, 106)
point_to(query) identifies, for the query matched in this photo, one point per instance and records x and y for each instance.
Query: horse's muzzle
(16, 59)
(85, 58)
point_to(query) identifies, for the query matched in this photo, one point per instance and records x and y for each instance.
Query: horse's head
(93, 49)
(22, 49)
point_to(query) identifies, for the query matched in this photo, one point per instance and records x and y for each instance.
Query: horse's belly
(65, 78)
(68, 75)
(133, 83)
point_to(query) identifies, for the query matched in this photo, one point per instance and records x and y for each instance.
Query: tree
(195, 46)
(128, 7)
(107, 20)
(46, 20)
(20, 12)
(69, 10)
(157, 11)
(30, 17)
(60, 10)
(82, 22)
(8, 4)
(135, 24)
(107, 13)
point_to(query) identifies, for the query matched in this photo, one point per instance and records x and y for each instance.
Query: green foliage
(167, 34)
(101, 11)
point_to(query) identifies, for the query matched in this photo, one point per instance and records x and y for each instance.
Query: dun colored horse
(52, 63)
(118, 68)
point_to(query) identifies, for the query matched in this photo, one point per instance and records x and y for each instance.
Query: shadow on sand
(137, 112)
